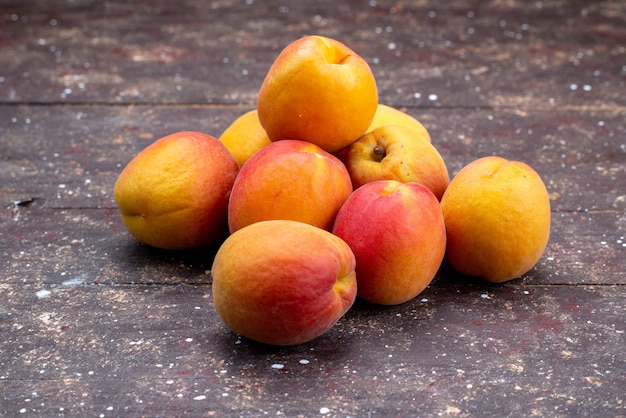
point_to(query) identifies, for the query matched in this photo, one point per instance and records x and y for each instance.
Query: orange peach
(174, 194)
(397, 234)
(283, 282)
(387, 115)
(289, 179)
(318, 90)
(497, 215)
(396, 153)
(245, 136)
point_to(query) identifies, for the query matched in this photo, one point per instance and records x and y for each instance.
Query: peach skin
(318, 90)
(283, 282)
(289, 179)
(397, 234)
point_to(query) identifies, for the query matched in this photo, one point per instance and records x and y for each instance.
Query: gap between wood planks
(219, 105)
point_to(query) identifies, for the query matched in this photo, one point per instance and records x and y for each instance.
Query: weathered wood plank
(70, 156)
(51, 247)
(95, 324)
(464, 351)
(492, 53)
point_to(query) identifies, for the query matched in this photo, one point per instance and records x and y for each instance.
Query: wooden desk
(95, 324)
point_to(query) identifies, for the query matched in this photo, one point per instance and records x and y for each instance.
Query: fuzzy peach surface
(244, 136)
(407, 157)
(318, 90)
(283, 282)
(174, 193)
(497, 215)
(292, 180)
(397, 234)
(387, 115)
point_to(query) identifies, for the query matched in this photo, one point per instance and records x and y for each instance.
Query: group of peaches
(321, 195)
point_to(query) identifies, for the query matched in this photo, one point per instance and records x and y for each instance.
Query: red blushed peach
(283, 282)
(397, 234)
(292, 180)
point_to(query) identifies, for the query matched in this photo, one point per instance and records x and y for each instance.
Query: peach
(396, 153)
(289, 179)
(283, 282)
(245, 136)
(397, 234)
(497, 215)
(387, 115)
(174, 193)
(318, 90)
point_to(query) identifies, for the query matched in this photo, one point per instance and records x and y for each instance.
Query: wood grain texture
(492, 53)
(96, 324)
(159, 350)
(71, 155)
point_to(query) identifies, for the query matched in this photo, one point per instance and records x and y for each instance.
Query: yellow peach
(318, 90)
(245, 136)
(396, 153)
(283, 282)
(387, 115)
(174, 193)
(497, 215)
